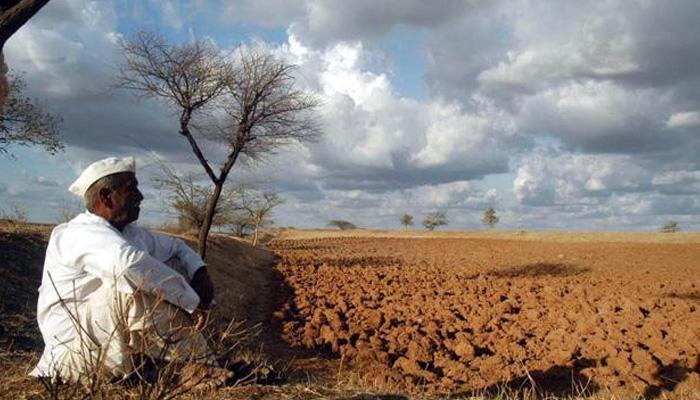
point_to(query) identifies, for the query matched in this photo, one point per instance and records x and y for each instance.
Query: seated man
(107, 297)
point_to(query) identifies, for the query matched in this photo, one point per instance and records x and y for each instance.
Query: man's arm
(132, 269)
(165, 248)
(201, 283)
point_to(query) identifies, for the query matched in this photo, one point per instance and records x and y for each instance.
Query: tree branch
(12, 18)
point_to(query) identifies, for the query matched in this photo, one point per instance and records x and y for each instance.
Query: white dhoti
(115, 329)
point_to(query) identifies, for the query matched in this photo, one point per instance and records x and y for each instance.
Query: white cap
(100, 169)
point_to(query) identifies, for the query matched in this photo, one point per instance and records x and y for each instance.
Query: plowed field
(458, 315)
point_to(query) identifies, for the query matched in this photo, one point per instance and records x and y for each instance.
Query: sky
(566, 115)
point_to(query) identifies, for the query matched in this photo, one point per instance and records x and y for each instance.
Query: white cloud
(268, 13)
(327, 21)
(688, 119)
(549, 177)
(389, 139)
(608, 82)
(596, 116)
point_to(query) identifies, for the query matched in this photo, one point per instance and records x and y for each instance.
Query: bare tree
(247, 103)
(240, 224)
(189, 199)
(24, 122)
(259, 210)
(13, 14)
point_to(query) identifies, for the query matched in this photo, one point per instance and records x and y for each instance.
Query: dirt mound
(240, 274)
(451, 315)
(22, 253)
(239, 271)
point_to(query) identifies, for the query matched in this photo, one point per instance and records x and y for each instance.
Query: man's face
(126, 200)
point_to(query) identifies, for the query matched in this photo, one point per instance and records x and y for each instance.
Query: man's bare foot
(202, 376)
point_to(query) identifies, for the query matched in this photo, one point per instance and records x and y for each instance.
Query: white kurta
(87, 253)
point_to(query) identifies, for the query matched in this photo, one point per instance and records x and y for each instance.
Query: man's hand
(200, 318)
(201, 283)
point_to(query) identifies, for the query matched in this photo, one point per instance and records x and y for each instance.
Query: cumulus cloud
(604, 188)
(688, 119)
(327, 21)
(268, 13)
(378, 139)
(589, 109)
(463, 201)
(600, 76)
(548, 177)
(598, 117)
(70, 62)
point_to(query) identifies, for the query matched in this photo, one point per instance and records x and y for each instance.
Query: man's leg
(115, 327)
(162, 331)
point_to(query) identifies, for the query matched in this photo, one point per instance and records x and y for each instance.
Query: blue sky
(561, 115)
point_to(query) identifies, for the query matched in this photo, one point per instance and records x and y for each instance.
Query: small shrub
(341, 224)
(433, 220)
(406, 220)
(670, 227)
(490, 218)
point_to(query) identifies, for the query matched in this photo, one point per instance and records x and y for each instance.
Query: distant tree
(69, 210)
(433, 220)
(259, 210)
(490, 218)
(406, 220)
(341, 224)
(670, 227)
(17, 213)
(247, 104)
(24, 122)
(188, 199)
(240, 224)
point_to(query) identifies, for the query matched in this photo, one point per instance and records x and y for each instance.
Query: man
(107, 295)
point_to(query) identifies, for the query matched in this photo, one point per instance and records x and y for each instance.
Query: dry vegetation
(410, 314)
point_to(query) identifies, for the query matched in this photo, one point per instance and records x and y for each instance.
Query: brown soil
(465, 315)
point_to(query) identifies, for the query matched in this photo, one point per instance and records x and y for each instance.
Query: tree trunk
(208, 218)
(4, 86)
(13, 14)
(255, 234)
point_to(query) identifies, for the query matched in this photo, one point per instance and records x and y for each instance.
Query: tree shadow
(21, 264)
(540, 269)
(300, 365)
(303, 245)
(671, 375)
(370, 261)
(557, 381)
(367, 396)
(692, 296)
